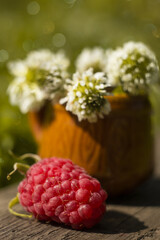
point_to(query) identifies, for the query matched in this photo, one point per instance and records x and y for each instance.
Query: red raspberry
(57, 190)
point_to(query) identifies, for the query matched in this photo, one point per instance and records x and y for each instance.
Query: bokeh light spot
(59, 40)
(33, 8)
(3, 55)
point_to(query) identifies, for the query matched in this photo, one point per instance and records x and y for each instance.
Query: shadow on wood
(113, 222)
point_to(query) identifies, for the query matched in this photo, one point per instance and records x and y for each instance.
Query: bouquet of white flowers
(43, 76)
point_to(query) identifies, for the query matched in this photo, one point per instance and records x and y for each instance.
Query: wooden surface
(136, 216)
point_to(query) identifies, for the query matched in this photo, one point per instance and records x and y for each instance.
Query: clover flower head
(43, 72)
(18, 68)
(27, 97)
(35, 58)
(55, 81)
(85, 97)
(61, 60)
(134, 66)
(92, 58)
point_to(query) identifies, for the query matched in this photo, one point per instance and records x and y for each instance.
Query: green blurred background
(69, 24)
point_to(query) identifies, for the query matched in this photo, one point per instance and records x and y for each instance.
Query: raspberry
(57, 190)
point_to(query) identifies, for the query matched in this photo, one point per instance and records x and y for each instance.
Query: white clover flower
(134, 67)
(55, 81)
(44, 73)
(27, 97)
(61, 60)
(37, 58)
(95, 58)
(85, 97)
(18, 68)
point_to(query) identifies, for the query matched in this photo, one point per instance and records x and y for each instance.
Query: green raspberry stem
(12, 203)
(21, 167)
(35, 157)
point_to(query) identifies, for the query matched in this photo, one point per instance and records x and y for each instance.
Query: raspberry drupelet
(58, 190)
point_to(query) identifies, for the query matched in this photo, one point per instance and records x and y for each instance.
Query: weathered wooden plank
(133, 217)
(121, 221)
